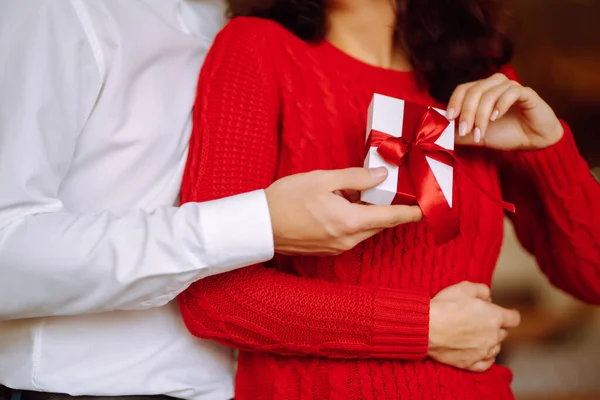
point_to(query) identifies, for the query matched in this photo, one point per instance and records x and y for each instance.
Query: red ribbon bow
(422, 126)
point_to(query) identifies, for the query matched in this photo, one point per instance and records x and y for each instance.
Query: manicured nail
(494, 115)
(450, 114)
(462, 129)
(378, 173)
(477, 135)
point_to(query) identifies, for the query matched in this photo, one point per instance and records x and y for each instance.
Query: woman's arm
(558, 214)
(234, 149)
(557, 199)
(262, 309)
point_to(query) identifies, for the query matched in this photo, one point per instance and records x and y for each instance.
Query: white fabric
(95, 110)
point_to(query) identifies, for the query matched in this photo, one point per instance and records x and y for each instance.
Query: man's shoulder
(34, 10)
(39, 21)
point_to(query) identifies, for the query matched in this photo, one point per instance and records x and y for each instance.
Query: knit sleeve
(234, 149)
(558, 213)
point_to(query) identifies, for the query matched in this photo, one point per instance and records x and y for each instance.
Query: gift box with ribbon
(416, 144)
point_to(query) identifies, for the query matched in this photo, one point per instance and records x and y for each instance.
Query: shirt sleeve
(558, 212)
(57, 262)
(234, 149)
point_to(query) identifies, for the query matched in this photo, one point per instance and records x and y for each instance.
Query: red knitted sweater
(355, 326)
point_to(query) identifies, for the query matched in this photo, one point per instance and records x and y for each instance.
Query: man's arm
(57, 262)
(54, 261)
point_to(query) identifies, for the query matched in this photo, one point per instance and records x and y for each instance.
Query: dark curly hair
(449, 42)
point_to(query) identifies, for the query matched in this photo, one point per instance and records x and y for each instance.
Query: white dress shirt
(95, 109)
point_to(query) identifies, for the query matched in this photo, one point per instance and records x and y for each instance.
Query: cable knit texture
(355, 326)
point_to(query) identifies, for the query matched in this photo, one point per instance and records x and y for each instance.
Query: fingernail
(462, 129)
(450, 113)
(477, 135)
(494, 115)
(378, 173)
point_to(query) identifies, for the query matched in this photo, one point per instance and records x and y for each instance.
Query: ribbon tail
(436, 210)
(504, 204)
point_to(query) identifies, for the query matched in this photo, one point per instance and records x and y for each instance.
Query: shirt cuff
(237, 232)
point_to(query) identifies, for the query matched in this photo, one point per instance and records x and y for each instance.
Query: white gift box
(386, 114)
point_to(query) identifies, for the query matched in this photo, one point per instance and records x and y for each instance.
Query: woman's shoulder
(257, 32)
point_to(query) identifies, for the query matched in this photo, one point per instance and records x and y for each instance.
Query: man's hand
(308, 216)
(465, 329)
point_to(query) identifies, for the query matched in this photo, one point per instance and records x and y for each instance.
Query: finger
(493, 353)
(471, 104)
(344, 243)
(362, 236)
(482, 365)
(502, 335)
(358, 179)
(349, 242)
(478, 290)
(487, 111)
(510, 318)
(456, 100)
(468, 140)
(508, 99)
(380, 216)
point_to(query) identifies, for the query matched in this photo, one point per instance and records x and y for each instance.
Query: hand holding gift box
(416, 144)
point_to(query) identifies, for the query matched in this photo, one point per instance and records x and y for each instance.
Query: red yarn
(355, 326)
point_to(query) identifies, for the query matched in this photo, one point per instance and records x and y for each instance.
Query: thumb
(510, 318)
(355, 178)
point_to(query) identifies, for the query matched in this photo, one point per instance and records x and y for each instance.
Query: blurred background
(555, 354)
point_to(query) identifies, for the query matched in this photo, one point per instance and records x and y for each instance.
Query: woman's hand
(500, 113)
(465, 329)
